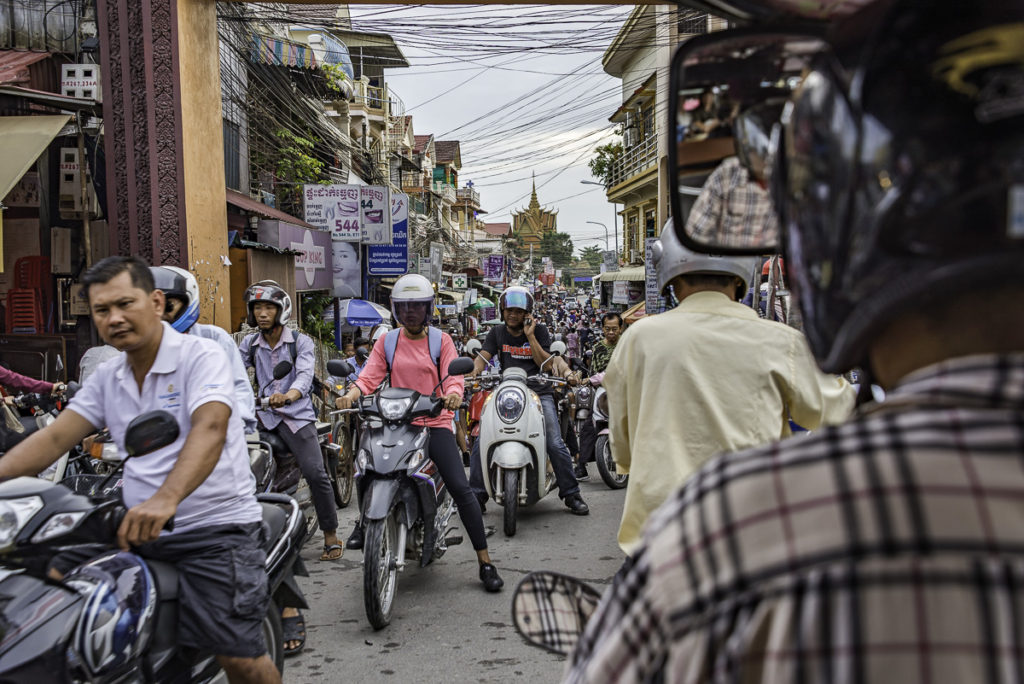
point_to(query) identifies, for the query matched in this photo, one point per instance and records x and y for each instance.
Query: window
(650, 223)
(232, 158)
(692, 22)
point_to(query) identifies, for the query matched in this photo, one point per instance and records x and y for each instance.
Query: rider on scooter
(412, 301)
(522, 343)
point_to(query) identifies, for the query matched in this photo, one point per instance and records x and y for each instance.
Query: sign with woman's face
(347, 275)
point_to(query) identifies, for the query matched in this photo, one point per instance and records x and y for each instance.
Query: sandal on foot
(294, 629)
(329, 550)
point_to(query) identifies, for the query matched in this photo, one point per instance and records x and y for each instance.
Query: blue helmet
(177, 283)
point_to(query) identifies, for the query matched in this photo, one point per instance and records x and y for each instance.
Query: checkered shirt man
(888, 549)
(732, 208)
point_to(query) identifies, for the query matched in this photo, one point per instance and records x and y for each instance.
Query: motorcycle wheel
(510, 492)
(344, 472)
(606, 464)
(380, 569)
(273, 634)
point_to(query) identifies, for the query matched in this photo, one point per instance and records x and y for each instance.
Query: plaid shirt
(887, 549)
(732, 209)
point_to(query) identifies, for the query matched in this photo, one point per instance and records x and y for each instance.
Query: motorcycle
(405, 506)
(36, 411)
(602, 447)
(513, 446)
(477, 399)
(114, 618)
(283, 474)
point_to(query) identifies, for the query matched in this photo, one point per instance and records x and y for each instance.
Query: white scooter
(513, 446)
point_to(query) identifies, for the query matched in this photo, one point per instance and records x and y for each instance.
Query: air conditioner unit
(70, 199)
(82, 81)
(636, 256)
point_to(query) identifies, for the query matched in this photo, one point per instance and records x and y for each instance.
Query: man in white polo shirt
(202, 479)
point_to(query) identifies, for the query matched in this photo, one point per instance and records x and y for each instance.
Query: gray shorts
(222, 585)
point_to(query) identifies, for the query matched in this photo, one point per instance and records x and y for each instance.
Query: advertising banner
(652, 298)
(345, 271)
(313, 247)
(424, 269)
(375, 212)
(470, 297)
(392, 259)
(494, 267)
(334, 208)
(436, 261)
(620, 292)
(611, 261)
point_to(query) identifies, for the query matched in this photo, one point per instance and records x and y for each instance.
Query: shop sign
(392, 259)
(335, 208)
(460, 281)
(652, 299)
(312, 267)
(620, 292)
(375, 210)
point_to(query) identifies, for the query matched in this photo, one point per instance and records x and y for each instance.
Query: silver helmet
(671, 259)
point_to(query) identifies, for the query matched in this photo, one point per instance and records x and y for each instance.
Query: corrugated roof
(421, 142)
(14, 65)
(498, 228)
(249, 204)
(448, 151)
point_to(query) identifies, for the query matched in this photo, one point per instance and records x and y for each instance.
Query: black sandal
(326, 555)
(294, 629)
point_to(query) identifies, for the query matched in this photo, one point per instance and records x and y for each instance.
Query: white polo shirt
(189, 371)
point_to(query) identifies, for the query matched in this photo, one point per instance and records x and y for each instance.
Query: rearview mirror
(461, 366)
(339, 368)
(551, 610)
(150, 432)
(730, 89)
(282, 369)
(558, 348)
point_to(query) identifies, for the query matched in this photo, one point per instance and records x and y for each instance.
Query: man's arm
(616, 388)
(41, 449)
(815, 398)
(479, 363)
(198, 458)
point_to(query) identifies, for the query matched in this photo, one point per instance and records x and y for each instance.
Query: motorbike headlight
(14, 515)
(394, 409)
(416, 460)
(363, 459)
(583, 395)
(602, 403)
(57, 525)
(510, 403)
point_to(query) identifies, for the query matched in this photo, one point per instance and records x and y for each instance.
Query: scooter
(478, 393)
(513, 446)
(602, 447)
(405, 506)
(36, 412)
(113, 619)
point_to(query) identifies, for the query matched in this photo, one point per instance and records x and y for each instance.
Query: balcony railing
(468, 196)
(376, 100)
(445, 190)
(634, 160)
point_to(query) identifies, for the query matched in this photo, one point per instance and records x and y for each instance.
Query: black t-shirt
(514, 351)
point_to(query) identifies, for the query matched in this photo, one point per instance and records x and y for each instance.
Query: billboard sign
(334, 208)
(392, 259)
(374, 209)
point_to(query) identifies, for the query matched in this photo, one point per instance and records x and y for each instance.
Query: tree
(603, 162)
(558, 247)
(592, 256)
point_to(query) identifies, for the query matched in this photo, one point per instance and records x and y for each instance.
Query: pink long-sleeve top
(413, 368)
(10, 379)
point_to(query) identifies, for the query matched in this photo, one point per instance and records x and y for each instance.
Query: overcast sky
(523, 90)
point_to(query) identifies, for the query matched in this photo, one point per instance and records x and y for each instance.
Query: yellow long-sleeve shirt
(706, 377)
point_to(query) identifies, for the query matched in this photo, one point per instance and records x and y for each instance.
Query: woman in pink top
(412, 302)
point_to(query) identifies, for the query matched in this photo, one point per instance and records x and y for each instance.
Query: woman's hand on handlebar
(346, 400)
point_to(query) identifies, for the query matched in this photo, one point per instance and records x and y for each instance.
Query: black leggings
(446, 456)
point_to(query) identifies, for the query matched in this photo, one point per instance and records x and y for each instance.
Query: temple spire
(534, 203)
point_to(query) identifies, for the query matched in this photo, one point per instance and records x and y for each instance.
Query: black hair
(361, 342)
(105, 270)
(610, 315)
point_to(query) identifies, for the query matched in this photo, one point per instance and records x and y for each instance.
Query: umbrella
(481, 303)
(359, 312)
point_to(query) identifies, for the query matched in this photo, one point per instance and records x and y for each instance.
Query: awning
(278, 52)
(628, 273)
(247, 203)
(454, 296)
(634, 313)
(25, 138)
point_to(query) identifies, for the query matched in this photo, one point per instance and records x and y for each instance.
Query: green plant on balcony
(295, 165)
(602, 163)
(335, 76)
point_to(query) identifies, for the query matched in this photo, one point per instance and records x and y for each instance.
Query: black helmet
(899, 176)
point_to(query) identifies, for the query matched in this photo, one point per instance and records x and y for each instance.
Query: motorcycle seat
(275, 442)
(166, 577)
(276, 520)
(323, 428)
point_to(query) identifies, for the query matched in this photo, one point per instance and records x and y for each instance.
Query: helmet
(410, 288)
(515, 297)
(671, 259)
(379, 332)
(180, 284)
(898, 176)
(267, 291)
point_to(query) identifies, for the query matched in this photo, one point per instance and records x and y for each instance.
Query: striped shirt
(888, 549)
(732, 209)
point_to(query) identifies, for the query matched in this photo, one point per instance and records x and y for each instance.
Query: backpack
(317, 385)
(433, 341)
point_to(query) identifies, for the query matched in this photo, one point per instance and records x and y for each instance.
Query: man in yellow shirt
(706, 377)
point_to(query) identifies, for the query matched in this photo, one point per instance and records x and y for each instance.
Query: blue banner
(393, 259)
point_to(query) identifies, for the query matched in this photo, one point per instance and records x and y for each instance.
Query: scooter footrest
(453, 539)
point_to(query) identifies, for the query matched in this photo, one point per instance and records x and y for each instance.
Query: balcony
(468, 196)
(446, 191)
(376, 102)
(635, 160)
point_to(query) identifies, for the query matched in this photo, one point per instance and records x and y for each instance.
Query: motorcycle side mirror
(461, 366)
(149, 432)
(558, 348)
(339, 368)
(551, 610)
(282, 369)
(72, 389)
(590, 353)
(362, 353)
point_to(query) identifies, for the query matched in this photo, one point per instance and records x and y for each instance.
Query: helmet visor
(517, 300)
(413, 313)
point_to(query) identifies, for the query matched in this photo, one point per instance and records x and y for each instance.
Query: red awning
(14, 65)
(247, 203)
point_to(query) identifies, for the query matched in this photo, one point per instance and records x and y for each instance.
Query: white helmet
(411, 288)
(180, 284)
(671, 259)
(379, 332)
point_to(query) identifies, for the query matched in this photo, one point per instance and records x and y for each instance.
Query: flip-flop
(326, 555)
(294, 629)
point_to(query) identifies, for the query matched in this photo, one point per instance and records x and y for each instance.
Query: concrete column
(163, 139)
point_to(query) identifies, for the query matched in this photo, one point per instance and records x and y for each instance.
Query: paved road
(445, 628)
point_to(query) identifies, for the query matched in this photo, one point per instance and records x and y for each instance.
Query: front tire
(606, 464)
(511, 494)
(273, 634)
(344, 472)
(380, 569)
